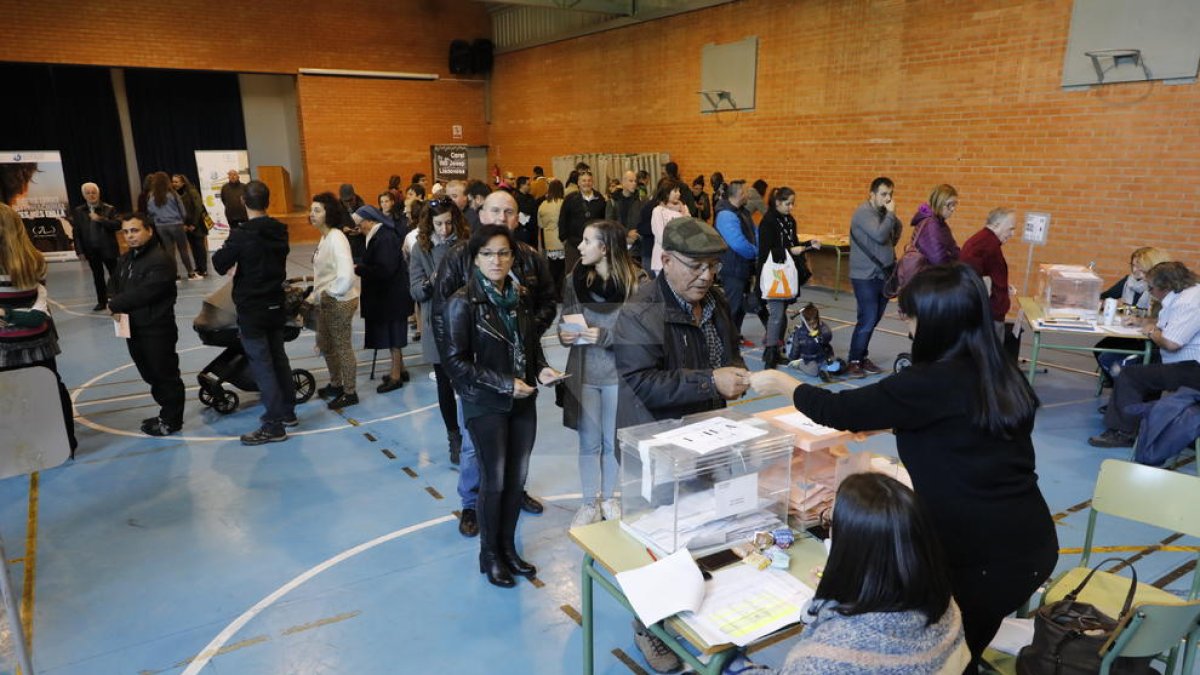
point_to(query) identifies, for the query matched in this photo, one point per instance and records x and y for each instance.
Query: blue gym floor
(338, 551)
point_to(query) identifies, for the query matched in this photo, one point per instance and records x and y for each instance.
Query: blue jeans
(777, 324)
(468, 465)
(273, 375)
(597, 440)
(868, 295)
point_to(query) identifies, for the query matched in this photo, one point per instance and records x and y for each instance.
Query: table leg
(14, 616)
(1033, 355)
(837, 274)
(589, 665)
(1147, 352)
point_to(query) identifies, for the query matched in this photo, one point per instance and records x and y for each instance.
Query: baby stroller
(216, 325)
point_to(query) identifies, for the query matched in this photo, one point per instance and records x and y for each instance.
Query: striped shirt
(1179, 322)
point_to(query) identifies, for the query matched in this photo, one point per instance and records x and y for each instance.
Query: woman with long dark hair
(442, 225)
(335, 291)
(168, 214)
(963, 417)
(495, 360)
(884, 595)
(777, 239)
(552, 246)
(601, 282)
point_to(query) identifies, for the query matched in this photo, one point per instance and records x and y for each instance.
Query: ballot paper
(693, 523)
(799, 420)
(711, 434)
(742, 604)
(664, 588)
(575, 323)
(121, 325)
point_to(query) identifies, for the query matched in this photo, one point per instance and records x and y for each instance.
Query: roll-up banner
(41, 200)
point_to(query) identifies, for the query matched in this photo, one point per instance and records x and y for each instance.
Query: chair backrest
(1158, 497)
(1151, 629)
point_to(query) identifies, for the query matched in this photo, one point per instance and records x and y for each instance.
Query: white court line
(210, 650)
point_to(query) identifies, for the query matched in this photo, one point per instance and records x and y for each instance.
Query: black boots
(455, 438)
(516, 564)
(496, 571)
(771, 357)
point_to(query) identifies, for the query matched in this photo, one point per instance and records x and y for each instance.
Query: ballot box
(1069, 292)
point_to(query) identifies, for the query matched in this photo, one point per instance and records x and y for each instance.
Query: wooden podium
(279, 181)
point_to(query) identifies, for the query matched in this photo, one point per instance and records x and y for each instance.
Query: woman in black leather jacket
(493, 355)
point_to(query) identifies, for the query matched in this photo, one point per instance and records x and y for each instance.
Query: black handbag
(1068, 636)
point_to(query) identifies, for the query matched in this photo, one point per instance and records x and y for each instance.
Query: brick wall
(926, 91)
(352, 130)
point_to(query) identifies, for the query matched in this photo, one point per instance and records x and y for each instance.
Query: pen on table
(652, 556)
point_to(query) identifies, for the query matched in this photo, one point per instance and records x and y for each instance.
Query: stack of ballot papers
(739, 605)
(693, 523)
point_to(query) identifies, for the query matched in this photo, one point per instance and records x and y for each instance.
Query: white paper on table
(743, 604)
(736, 495)
(664, 588)
(121, 325)
(711, 434)
(799, 420)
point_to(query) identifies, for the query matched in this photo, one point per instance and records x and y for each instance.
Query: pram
(216, 325)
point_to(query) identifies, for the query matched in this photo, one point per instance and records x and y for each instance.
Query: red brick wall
(926, 91)
(352, 130)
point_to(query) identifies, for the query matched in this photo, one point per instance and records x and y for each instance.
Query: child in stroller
(216, 325)
(810, 347)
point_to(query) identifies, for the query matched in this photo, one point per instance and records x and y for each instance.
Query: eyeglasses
(503, 254)
(699, 268)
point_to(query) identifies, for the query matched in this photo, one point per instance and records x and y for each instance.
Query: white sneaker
(586, 515)
(611, 509)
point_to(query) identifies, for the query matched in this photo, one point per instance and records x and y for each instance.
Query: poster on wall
(449, 162)
(41, 200)
(212, 167)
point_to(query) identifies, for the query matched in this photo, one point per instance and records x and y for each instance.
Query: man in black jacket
(96, 225)
(531, 270)
(625, 207)
(676, 354)
(578, 209)
(144, 289)
(259, 248)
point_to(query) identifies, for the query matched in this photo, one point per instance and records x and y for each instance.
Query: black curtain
(174, 113)
(70, 109)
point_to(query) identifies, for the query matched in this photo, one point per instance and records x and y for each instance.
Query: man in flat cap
(676, 352)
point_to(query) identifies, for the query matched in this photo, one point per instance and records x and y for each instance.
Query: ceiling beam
(622, 7)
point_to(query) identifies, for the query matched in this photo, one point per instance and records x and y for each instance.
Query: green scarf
(506, 302)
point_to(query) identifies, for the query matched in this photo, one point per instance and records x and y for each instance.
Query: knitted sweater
(880, 643)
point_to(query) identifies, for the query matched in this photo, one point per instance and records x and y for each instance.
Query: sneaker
(869, 367)
(1112, 438)
(855, 371)
(156, 426)
(586, 515)
(329, 391)
(263, 435)
(656, 652)
(748, 344)
(343, 401)
(291, 422)
(611, 508)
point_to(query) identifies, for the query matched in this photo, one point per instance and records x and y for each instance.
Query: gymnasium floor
(337, 551)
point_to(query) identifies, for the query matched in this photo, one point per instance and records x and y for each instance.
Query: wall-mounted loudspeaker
(460, 57)
(481, 56)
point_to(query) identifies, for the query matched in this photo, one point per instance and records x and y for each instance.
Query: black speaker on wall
(481, 56)
(460, 57)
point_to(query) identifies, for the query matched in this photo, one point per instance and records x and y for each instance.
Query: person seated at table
(963, 415)
(883, 603)
(1130, 291)
(1177, 333)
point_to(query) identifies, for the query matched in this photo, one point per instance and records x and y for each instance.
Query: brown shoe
(854, 370)
(869, 367)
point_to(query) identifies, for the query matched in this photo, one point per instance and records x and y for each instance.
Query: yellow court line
(1130, 549)
(30, 564)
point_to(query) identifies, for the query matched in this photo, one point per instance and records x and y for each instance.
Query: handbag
(779, 281)
(1069, 635)
(907, 267)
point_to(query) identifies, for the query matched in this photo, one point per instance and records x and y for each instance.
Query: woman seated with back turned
(963, 417)
(883, 603)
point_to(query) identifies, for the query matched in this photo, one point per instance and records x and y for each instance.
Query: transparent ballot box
(704, 482)
(1069, 292)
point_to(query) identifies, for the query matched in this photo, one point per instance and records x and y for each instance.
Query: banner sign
(212, 167)
(41, 200)
(449, 162)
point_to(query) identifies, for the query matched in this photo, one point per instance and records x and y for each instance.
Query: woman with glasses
(931, 234)
(494, 356)
(963, 416)
(602, 281)
(442, 225)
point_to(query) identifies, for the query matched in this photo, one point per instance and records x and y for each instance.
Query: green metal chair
(1151, 630)
(1147, 495)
